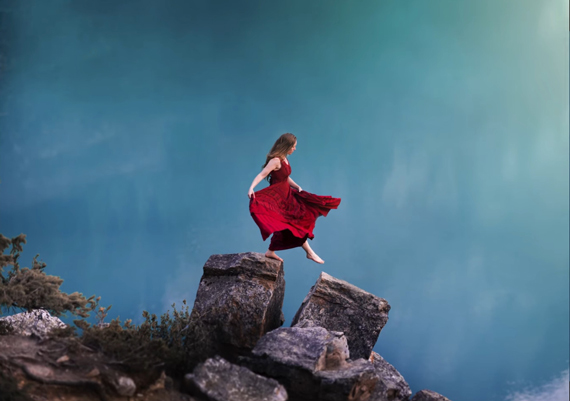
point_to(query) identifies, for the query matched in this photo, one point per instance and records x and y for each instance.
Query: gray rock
(428, 395)
(38, 322)
(355, 381)
(292, 356)
(306, 348)
(340, 306)
(239, 299)
(391, 385)
(125, 386)
(371, 380)
(312, 363)
(219, 380)
(118, 381)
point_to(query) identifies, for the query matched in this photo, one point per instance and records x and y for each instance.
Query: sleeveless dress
(286, 213)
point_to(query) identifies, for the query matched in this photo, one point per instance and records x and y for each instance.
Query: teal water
(131, 131)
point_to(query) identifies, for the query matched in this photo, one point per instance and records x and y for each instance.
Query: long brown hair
(280, 148)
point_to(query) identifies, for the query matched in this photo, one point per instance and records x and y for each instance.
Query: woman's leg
(276, 240)
(285, 240)
(271, 254)
(311, 254)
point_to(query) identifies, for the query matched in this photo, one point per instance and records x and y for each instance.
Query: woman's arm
(294, 184)
(274, 164)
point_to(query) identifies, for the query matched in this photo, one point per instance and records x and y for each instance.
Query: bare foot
(315, 257)
(273, 255)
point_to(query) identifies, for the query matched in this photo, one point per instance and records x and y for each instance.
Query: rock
(340, 306)
(428, 395)
(37, 322)
(337, 352)
(356, 381)
(306, 348)
(239, 299)
(363, 380)
(392, 385)
(219, 380)
(93, 373)
(29, 363)
(160, 383)
(125, 386)
(311, 362)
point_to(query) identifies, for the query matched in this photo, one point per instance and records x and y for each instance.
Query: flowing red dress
(286, 213)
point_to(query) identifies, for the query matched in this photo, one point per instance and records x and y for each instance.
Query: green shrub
(173, 342)
(176, 342)
(31, 288)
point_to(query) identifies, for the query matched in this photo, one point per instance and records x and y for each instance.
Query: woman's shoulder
(276, 161)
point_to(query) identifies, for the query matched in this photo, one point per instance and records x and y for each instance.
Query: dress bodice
(280, 175)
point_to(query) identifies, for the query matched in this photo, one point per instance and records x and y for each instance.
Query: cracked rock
(219, 380)
(239, 299)
(338, 305)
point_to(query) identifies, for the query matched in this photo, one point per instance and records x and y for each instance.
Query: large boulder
(37, 322)
(340, 306)
(392, 385)
(239, 299)
(356, 381)
(292, 356)
(219, 380)
(313, 364)
(311, 348)
(370, 380)
(428, 395)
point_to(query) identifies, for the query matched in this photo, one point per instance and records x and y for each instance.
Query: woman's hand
(294, 184)
(274, 164)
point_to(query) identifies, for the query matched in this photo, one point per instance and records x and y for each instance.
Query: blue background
(130, 132)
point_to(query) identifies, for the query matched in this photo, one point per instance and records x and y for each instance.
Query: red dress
(286, 213)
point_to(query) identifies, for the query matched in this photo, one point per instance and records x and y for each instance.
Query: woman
(283, 208)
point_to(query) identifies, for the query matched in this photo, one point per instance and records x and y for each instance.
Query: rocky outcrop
(428, 395)
(235, 323)
(340, 306)
(219, 380)
(239, 299)
(313, 364)
(37, 322)
(50, 369)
